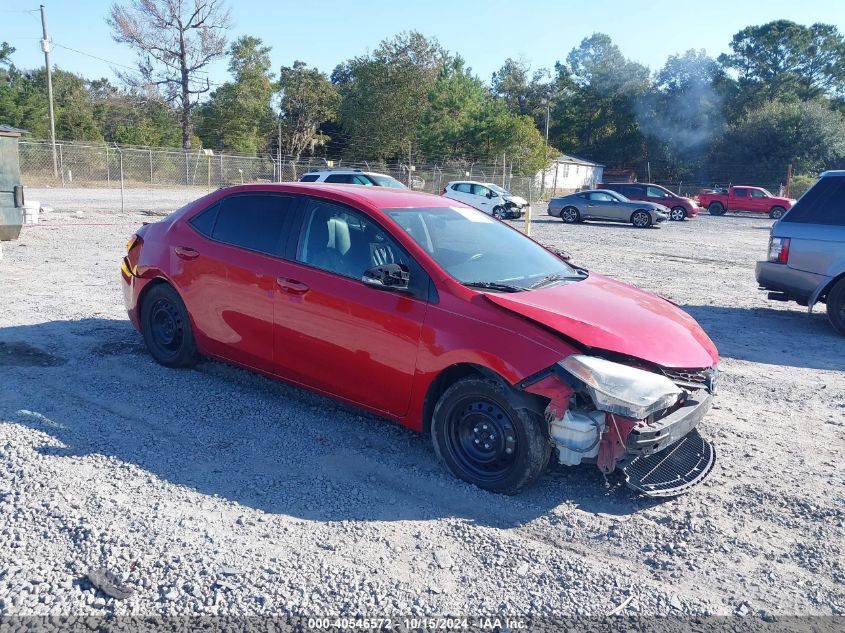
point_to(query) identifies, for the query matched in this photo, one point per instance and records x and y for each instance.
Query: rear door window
(740, 193)
(256, 222)
(824, 203)
(309, 178)
(632, 191)
(339, 178)
(463, 187)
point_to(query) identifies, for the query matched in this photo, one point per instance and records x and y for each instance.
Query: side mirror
(388, 277)
(490, 194)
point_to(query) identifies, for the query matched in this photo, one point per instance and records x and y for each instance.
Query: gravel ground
(215, 491)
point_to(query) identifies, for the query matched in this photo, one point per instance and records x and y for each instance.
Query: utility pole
(45, 46)
(545, 167)
(409, 165)
(280, 153)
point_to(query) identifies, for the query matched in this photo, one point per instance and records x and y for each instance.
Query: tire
(716, 208)
(678, 214)
(499, 213)
(481, 438)
(777, 213)
(641, 219)
(166, 328)
(570, 215)
(836, 306)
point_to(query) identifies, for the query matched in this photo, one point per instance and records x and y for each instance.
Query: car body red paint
(381, 350)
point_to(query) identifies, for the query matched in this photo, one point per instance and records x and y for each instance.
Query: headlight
(621, 389)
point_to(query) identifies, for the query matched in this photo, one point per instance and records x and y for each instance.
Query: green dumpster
(11, 190)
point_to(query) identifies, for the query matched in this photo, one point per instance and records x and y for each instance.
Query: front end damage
(619, 416)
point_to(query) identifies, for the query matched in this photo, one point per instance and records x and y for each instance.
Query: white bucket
(31, 209)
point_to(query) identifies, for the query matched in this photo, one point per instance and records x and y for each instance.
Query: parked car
(487, 197)
(806, 261)
(754, 199)
(353, 177)
(680, 208)
(604, 204)
(425, 311)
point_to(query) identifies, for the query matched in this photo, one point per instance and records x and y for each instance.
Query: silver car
(604, 204)
(806, 260)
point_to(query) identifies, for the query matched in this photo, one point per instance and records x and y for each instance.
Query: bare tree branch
(174, 39)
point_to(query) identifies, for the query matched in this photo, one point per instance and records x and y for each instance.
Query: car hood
(605, 314)
(516, 200)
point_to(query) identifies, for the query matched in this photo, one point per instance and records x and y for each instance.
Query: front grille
(673, 470)
(693, 378)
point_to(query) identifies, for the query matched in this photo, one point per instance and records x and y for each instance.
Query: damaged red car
(435, 315)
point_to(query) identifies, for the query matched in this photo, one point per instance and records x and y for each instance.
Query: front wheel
(499, 213)
(641, 219)
(166, 327)
(678, 214)
(777, 213)
(482, 439)
(570, 215)
(836, 306)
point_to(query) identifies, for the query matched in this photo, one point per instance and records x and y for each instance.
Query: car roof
(345, 171)
(467, 182)
(832, 173)
(378, 197)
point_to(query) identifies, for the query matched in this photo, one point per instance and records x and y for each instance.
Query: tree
(6, 54)
(130, 118)
(595, 94)
(782, 59)
(757, 149)
(175, 40)
(384, 94)
(308, 99)
(239, 114)
(522, 91)
(683, 114)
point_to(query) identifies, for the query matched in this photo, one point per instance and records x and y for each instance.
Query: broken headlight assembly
(619, 389)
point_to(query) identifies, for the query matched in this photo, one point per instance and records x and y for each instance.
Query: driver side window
(757, 194)
(478, 190)
(343, 241)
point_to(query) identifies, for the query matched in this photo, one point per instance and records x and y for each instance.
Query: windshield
(498, 189)
(386, 181)
(474, 248)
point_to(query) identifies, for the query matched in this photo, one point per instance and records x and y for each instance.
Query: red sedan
(435, 315)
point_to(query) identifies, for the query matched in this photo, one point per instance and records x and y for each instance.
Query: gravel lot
(217, 491)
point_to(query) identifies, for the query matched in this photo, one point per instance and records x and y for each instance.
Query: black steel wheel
(836, 306)
(167, 328)
(484, 440)
(716, 208)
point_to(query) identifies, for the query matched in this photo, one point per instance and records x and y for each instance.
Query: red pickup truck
(742, 198)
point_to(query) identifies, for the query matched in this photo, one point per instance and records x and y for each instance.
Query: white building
(568, 173)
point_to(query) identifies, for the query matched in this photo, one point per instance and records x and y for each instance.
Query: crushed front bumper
(654, 437)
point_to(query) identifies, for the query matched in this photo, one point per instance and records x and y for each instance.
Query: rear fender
(822, 289)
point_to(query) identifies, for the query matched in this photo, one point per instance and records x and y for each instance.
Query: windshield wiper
(548, 279)
(492, 285)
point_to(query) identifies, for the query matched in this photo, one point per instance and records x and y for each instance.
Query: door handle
(292, 286)
(183, 252)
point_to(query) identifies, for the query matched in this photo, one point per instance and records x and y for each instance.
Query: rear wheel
(570, 215)
(777, 213)
(641, 219)
(716, 208)
(483, 439)
(836, 306)
(678, 214)
(167, 328)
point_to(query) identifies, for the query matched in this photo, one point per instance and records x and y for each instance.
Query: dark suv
(680, 208)
(806, 260)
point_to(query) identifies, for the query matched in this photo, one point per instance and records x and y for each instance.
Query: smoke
(685, 111)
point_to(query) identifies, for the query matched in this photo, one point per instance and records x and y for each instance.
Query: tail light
(779, 250)
(134, 241)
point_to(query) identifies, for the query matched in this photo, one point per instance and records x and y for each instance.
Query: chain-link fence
(114, 166)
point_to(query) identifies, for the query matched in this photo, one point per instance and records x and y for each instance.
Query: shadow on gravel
(254, 441)
(789, 337)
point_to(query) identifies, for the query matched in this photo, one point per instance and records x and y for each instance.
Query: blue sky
(485, 32)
